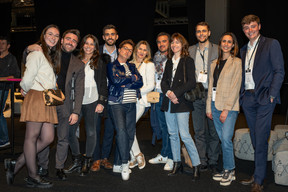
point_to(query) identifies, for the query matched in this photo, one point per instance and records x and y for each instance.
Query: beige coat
(228, 86)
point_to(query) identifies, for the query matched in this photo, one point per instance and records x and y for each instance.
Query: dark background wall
(135, 19)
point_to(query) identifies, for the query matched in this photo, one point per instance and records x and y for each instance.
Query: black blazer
(100, 78)
(178, 86)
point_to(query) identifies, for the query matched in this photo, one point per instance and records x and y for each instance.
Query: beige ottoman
(243, 148)
(280, 130)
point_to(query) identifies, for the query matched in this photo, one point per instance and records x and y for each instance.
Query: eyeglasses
(127, 49)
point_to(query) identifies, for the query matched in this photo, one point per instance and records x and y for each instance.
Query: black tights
(37, 137)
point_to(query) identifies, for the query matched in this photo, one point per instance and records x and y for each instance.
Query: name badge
(249, 80)
(213, 93)
(202, 77)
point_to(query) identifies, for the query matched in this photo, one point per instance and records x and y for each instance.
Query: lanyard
(203, 59)
(249, 62)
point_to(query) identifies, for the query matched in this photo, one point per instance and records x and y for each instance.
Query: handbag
(153, 97)
(53, 97)
(186, 156)
(197, 93)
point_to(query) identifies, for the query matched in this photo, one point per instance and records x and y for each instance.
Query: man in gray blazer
(206, 138)
(70, 80)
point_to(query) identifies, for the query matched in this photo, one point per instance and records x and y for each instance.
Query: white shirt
(201, 63)
(250, 57)
(90, 90)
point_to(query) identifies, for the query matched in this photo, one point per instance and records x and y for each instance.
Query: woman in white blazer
(142, 60)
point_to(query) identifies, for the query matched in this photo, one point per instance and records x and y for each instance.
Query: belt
(250, 90)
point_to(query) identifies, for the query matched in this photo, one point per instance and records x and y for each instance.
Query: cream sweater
(38, 69)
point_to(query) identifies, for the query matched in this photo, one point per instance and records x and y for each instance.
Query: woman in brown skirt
(40, 119)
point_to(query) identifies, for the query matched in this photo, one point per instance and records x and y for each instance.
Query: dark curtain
(5, 15)
(133, 19)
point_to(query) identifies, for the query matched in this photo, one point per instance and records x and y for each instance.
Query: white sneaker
(228, 177)
(141, 160)
(218, 176)
(169, 165)
(125, 172)
(158, 159)
(133, 163)
(118, 169)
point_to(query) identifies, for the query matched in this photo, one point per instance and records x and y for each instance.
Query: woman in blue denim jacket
(123, 87)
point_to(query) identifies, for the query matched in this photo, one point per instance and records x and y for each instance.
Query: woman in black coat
(176, 108)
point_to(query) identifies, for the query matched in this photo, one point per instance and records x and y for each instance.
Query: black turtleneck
(65, 60)
(217, 72)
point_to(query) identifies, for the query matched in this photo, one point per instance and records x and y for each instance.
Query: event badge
(248, 79)
(213, 93)
(202, 77)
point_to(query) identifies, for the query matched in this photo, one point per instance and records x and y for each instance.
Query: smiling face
(227, 44)
(176, 46)
(89, 46)
(69, 42)
(163, 43)
(110, 37)
(202, 33)
(252, 30)
(125, 52)
(51, 37)
(141, 52)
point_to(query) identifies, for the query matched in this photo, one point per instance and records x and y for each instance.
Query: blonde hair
(147, 59)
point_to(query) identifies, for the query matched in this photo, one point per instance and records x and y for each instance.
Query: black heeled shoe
(196, 173)
(9, 167)
(39, 183)
(177, 166)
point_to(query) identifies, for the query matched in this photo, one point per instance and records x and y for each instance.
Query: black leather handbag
(197, 93)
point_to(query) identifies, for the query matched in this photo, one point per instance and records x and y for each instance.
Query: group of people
(105, 83)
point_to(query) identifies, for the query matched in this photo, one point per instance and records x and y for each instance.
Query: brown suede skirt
(34, 109)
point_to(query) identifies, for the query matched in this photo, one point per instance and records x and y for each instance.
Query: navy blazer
(268, 70)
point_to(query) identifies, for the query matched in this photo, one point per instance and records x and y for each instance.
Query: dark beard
(204, 41)
(109, 43)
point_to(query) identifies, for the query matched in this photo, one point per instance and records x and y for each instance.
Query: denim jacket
(117, 78)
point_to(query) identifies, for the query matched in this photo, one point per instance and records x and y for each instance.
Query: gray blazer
(212, 54)
(76, 69)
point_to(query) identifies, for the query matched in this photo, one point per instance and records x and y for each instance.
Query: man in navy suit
(262, 77)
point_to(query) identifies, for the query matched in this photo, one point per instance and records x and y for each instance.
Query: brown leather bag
(186, 156)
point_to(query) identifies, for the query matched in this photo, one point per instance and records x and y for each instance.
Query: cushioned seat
(243, 148)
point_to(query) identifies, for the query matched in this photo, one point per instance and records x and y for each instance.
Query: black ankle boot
(39, 183)
(177, 166)
(196, 173)
(86, 166)
(9, 167)
(76, 165)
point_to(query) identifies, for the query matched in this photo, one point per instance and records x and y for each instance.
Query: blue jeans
(166, 146)
(179, 123)
(225, 132)
(4, 137)
(206, 137)
(124, 118)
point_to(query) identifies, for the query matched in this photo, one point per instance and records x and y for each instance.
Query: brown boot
(106, 164)
(96, 165)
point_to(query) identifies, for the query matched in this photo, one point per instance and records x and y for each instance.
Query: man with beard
(160, 58)
(101, 153)
(70, 80)
(206, 138)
